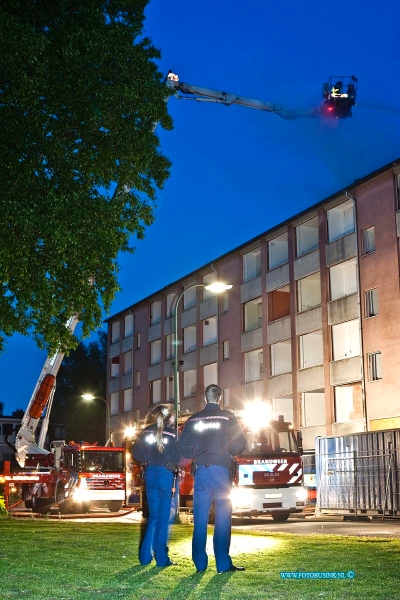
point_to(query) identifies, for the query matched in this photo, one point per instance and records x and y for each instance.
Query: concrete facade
(310, 325)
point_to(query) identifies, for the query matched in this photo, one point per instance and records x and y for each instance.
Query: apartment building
(311, 324)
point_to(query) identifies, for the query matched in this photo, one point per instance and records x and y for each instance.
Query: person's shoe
(233, 568)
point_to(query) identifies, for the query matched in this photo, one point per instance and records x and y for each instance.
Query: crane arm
(201, 94)
(41, 398)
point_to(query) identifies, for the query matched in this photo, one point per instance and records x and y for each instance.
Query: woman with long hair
(155, 448)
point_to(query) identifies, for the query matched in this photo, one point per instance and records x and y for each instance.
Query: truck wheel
(114, 505)
(41, 505)
(65, 507)
(60, 495)
(280, 517)
(85, 507)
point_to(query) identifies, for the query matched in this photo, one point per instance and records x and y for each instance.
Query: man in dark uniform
(211, 438)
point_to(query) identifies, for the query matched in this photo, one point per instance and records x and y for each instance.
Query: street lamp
(217, 288)
(108, 426)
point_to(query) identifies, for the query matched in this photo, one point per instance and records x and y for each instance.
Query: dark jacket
(145, 449)
(212, 437)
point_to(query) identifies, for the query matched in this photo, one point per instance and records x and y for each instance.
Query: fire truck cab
(269, 474)
(268, 478)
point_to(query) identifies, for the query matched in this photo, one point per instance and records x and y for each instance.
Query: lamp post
(217, 288)
(108, 421)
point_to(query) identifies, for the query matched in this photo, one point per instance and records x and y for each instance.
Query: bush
(3, 511)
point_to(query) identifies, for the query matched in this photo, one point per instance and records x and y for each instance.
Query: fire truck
(267, 477)
(72, 476)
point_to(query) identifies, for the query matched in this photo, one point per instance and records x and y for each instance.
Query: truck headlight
(301, 494)
(240, 498)
(81, 495)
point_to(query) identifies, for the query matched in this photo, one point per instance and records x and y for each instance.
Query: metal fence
(359, 482)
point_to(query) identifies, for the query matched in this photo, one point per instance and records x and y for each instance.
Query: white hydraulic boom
(201, 94)
(41, 398)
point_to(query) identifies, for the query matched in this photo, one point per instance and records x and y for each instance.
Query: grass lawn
(40, 559)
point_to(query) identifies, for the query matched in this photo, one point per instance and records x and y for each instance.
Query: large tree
(80, 93)
(83, 371)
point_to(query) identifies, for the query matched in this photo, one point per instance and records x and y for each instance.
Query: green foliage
(86, 561)
(83, 371)
(80, 93)
(3, 511)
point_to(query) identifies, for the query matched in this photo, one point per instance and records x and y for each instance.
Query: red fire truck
(73, 476)
(269, 474)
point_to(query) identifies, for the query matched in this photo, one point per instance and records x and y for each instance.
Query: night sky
(236, 171)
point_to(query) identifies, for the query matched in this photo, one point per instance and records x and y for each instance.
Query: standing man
(211, 438)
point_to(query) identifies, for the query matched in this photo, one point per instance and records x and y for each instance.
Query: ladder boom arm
(202, 94)
(41, 398)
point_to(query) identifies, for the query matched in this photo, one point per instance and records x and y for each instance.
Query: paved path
(324, 526)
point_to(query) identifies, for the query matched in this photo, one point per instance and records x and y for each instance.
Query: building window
(374, 366)
(368, 240)
(189, 382)
(344, 403)
(138, 340)
(169, 346)
(225, 350)
(137, 379)
(252, 314)
(128, 362)
(155, 312)
(210, 374)
(313, 408)
(311, 350)
(278, 251)
(281, 357)
(128, 325)
(253, 365)
(279, 304)
(343, 279)
(340, 220)
(307, 236)
(189, 297)
(115, 366)
(169, 388)
(398, 190)
(346, 340)
(282, 407)
(189, 338)
(224, 303)
(309, 292)
(155, 391)
(207, 280)
(170, 304)
(115, 332)
(210, 331)
(128, 400)
(114, 403)
(252, 264)
(155, 352)
(371, 303)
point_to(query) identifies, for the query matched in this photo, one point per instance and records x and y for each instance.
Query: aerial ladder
(41, 399)
(338, 102)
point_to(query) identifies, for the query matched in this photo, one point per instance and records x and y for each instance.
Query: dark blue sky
(236, 171)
